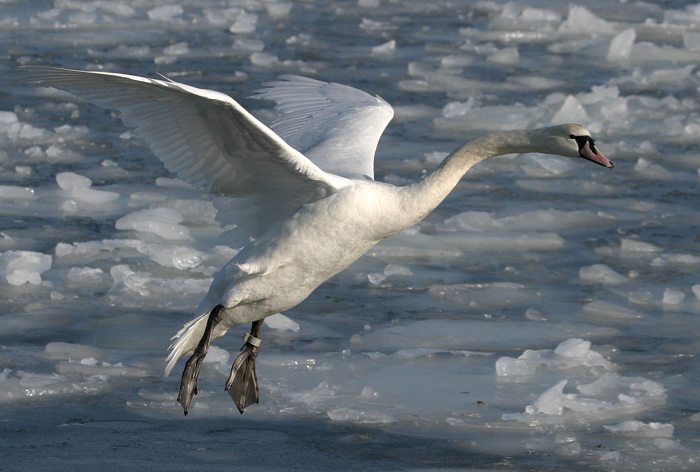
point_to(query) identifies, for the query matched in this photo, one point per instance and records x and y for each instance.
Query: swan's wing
(206, 138)
(336, 126)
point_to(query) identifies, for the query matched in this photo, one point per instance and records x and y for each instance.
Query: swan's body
(309, 201)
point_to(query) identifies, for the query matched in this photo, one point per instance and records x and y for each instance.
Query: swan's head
(570, 140)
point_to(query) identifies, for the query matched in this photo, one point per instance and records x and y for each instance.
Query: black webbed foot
(190, 375)
(242, 384)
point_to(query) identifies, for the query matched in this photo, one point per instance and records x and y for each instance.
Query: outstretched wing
(203, 136)
(336, 126)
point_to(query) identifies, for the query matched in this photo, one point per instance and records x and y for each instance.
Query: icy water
(545, 317)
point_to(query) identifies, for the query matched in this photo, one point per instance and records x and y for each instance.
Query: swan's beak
(595, 156)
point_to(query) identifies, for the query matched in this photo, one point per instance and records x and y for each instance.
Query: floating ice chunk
(680, 259)
(316, 396)
(696, 291)
(168, 255)
(146, 285)
(58, 153)
(249, 45)
(474, 221)
(641, 429)
(538, 220)
(599, 94)
(369, 393)
(481, 295)
(21, 267)
(7, 118)
(621, 45)
(579, 350)
(78, 188)
(673, 296)
(24, 131)
(93, 197)
(244, 23)
(264, 59)
(491, 117)
(90, 368)
(90, 250)
(165, 12)
(385, 49)
(376, 278)
(23, 171)
(72, 351)
(86, 275)
(603, 385)
(601, 311)
(581, 21)
(674, 76)
(620, 397)
(360, 416)
(376, 26)
(369, 3)
(116, 8)
(177, 49)
(435, 157)
(509, 367)
(145, 198)
(389, 271)
(27, 385)
(600, 274)
(571, 111)
(507, 56)
(160, 221)
(540, 14)
(644, 52)
(533, 314)
(278, 10)
(515, 19)
(550, 402)
(571, 353)
(395, 269)
(652, 171)
(455, 61)
(15, 192)
(635, 246)
(454, 109)
(282, 322)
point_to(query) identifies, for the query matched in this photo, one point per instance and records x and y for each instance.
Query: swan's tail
(185, 341)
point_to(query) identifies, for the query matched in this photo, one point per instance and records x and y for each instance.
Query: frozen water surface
(545, 317)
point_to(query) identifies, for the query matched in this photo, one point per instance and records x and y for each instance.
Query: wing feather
(336, 126)
(203, 136)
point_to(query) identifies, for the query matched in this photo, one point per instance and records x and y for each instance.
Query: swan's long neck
(419, 199)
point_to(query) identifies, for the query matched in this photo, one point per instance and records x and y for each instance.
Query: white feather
(336, 126)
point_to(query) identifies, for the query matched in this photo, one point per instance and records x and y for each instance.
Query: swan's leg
(188, 384)
(242, 383)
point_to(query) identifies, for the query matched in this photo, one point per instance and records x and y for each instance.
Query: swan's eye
(572, 136)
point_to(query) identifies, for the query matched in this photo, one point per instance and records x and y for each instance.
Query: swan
(300, 192)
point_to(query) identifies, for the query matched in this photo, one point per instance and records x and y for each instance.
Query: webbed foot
(190, 375)
(188, 384)
(242, 384)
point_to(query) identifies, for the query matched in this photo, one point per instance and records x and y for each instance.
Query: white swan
(302, 189)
